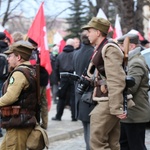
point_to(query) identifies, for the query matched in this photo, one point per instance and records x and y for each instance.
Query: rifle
(126, 51)
(130, 81)
(38, 87)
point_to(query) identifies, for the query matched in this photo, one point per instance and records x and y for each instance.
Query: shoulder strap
(28, 72)
(110, 44)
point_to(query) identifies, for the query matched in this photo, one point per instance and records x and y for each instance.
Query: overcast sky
(51, 7)
(55, 7)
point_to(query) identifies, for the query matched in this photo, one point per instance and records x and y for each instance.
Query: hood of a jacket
(53, 57)
(3, 46)
(68, 48)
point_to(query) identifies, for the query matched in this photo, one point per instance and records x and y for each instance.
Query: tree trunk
(138, 19)
(127, 16)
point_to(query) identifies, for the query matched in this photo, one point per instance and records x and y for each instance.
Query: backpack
(3, 66)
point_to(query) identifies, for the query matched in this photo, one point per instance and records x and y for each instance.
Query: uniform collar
(134, 52)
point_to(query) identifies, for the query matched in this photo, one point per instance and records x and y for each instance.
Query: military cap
(24, 48)
(134, 38)
(2, 35)
(100, 24)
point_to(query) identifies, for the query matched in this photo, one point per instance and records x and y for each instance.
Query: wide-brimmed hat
(99, 24)
(24, 48)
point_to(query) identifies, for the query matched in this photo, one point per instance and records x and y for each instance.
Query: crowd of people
(92, 61)
(101, 121)
(106, 123)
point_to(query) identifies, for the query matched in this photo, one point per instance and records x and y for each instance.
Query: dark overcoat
(81, 60)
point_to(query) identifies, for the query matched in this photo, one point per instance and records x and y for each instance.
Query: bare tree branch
(8, 12)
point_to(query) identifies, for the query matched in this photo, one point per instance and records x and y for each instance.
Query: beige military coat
(17, 83)
(115, 78)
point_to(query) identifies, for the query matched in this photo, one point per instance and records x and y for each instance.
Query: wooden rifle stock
(38, 88)
(126, 51)
(38, 82)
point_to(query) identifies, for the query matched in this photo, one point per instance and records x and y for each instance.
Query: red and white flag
(37, 32)
(2, 29)
(58, 40)
(48, 96)
(117, 30)
(101, 14)
(62, 45)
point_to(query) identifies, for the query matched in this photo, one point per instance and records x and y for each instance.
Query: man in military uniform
(18, 103)
(109, 85)
(134, 126)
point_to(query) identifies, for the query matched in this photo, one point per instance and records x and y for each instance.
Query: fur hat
(24, 48)
(100, 24)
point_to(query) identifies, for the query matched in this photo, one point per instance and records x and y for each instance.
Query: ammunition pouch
(6, 111)
(9, 111)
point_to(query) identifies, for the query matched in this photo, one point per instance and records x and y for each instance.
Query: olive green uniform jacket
(137, 69)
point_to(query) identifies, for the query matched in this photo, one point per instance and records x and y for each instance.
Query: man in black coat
(64, 64)
(81, 60)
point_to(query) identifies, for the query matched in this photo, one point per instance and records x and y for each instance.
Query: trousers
(132, 136)
(66, 93)
(15, 139)
(86, 127)
(44, 107)
(104, 128)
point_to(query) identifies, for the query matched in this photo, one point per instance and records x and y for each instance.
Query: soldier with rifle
(109, 85)
(130, 81)
(18, 103)
(133, 127)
